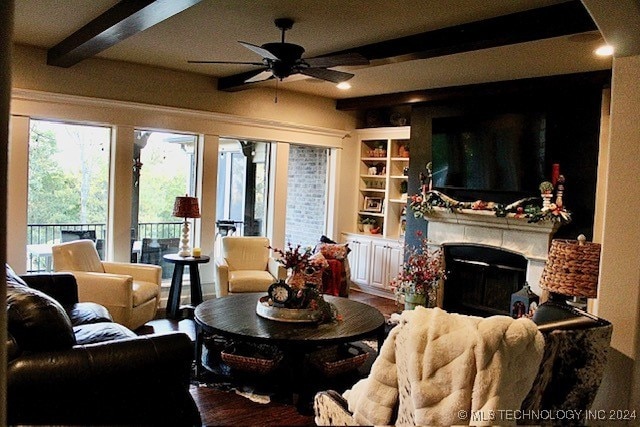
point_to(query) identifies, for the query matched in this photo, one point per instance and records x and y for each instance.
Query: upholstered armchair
(245, 265)
(131, 292)
(566, 378)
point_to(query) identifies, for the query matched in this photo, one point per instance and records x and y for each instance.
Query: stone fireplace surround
(530, 240)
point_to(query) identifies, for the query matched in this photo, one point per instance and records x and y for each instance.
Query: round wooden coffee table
(234, 316)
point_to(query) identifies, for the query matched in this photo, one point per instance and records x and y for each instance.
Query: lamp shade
(186, 207)
(572, 268)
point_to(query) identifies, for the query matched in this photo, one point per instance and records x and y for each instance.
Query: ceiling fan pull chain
(276, 99)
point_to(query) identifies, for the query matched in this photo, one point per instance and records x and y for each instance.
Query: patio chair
(153, 250)
(131, 292)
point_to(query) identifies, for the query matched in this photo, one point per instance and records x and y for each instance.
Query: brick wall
(306, 202)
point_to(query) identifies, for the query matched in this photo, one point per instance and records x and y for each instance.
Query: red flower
(422, 270)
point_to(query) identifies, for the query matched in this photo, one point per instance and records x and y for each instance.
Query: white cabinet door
(359, 259)
(386, 260)
(396, 258)
(379, 255)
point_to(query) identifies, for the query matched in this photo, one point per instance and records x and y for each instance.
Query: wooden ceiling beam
(546, 22)
(520, 27)
(523, 87)
(123, 20)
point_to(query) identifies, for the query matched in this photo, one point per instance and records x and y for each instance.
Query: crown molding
(223, 118)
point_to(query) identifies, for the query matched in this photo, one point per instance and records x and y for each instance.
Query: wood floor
(221, 408)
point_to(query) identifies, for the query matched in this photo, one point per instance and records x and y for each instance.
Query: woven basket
(258, 359)
(332, 361)
(572, 268)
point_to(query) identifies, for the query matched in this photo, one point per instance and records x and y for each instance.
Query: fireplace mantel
(469, 226)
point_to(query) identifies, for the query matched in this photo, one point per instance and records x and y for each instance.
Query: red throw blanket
(332, 283)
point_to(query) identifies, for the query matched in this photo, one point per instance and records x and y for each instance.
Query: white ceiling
(210, 31)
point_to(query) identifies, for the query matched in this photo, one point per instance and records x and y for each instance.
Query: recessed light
(343, 85)
(604, 50)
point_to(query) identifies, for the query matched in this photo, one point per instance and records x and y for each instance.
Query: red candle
(555, 173)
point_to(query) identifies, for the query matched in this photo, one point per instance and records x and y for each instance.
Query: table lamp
(186, 207)
(571, 270)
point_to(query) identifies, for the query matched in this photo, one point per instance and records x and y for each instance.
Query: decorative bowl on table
(283, 314)
(295, 303)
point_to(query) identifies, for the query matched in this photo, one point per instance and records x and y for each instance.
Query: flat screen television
(492, 153)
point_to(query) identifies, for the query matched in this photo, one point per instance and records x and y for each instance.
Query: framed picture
(372, 204)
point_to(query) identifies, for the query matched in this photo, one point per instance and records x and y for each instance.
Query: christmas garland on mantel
(423, 204)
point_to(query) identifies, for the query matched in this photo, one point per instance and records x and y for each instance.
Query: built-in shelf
(385, 149)
(365, 213)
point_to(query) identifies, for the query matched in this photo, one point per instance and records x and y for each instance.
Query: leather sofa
(69, 363)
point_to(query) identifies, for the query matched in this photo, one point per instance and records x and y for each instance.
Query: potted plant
(366, 224)
(420, 276)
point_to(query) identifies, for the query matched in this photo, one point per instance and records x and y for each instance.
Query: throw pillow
(13, 277)
(319, 259)
(325, 239)
(333, 251)
(36, 321)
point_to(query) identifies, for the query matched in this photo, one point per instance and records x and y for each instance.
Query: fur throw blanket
(437, 368)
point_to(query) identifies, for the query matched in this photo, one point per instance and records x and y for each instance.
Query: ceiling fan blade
(351, 58)
(225, 62)
(260, 51)
(260, 76)
(324, 74)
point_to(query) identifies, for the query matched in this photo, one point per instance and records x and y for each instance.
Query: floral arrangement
(305, 276)
(422, 270)
(297, 259)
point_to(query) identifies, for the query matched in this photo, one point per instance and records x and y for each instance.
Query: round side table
(173, 303)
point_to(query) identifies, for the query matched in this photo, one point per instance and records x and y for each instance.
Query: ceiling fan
(281, 60)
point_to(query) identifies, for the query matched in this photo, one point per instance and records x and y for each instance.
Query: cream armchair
(245, 266)
(131, 292)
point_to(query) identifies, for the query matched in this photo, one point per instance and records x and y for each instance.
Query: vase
(411, 301)
(427, 300)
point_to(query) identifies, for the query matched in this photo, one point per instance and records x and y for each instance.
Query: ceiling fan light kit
(281, 60)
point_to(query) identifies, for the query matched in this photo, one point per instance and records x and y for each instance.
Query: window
(243, 184)
(307, 195)
(68, 187)
(164, 168)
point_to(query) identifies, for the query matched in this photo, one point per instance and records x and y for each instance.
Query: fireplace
(487, 258)
(480, 279)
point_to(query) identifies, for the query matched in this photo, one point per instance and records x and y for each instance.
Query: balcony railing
(40, 238)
